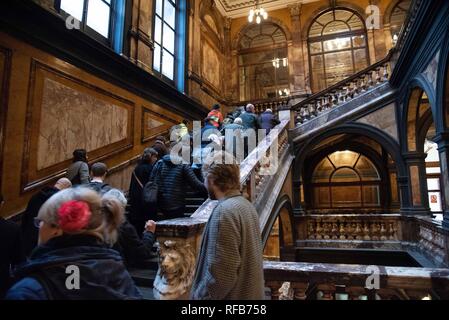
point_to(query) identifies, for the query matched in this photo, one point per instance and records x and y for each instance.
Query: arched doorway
(263, 62)
(422, 154)
(337, 47)
(397, 18)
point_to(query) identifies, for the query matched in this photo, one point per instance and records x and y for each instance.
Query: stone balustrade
(180, 239)
(344, 91)
(353, 227)
(315, 281)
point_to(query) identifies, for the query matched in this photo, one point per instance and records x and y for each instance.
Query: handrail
(344, 82)
(293, 280)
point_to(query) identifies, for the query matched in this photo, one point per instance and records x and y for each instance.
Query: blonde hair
(107, 213)
(224, 171)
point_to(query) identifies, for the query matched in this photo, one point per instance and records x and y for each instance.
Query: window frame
(344, 34)
(361, 184)
(271, 48)
(176, 44)
(87, 29)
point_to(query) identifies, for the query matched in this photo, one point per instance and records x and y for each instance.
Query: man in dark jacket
(11, 253)
(29, 230)
(249, 118)
(268, 120)
(138, 214)
(98, 172)
(172, 177)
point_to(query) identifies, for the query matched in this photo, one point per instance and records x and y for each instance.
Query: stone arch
(387, 142)
(389, 11)
(208, 9)
(284, 210)
(278, 22)
(343, 5)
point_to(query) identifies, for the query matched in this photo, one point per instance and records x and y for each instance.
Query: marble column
(442, 140)
(296, 54)
(416, 166)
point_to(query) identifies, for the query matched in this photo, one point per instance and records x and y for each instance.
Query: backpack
(151, 189)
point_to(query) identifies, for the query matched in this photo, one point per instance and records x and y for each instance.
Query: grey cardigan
(230, 265)
(78, 167)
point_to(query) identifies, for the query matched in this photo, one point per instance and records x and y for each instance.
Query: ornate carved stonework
(286, 291)
(176, 270)
(295, 10)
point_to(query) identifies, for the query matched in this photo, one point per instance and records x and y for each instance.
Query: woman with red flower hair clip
(74, 259)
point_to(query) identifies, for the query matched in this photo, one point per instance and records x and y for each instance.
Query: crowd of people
(83, 221)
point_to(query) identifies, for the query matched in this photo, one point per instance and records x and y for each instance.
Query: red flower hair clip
(73, 216)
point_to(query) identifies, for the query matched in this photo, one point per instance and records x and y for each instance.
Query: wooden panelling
(43, 92)
(65, 113)
(5, 70)
(154, 124)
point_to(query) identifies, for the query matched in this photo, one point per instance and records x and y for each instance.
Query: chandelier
(258, 13)
(278, 62)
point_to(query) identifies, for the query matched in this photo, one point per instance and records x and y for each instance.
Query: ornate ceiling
(240, 8)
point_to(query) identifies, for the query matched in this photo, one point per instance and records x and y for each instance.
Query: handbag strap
(138, 180)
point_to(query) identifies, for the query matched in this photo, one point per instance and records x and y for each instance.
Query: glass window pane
(169, 39)
(157, 58)
(74, 8)
(346, 196)
(344, 158)
(168, 65)
(371, 195)
(358, 41)
(433, 170)
(345, 175)
(315, 47)
(335, 27)
(367, 170)
(169, 13)
(262, 40)
(323, 171)
(360, 59)
(159, 7)
(338, 66)
(343, 15)
(337, 44)
(319, 79)
(98, 17)
(315, 30)
(433, 184)
(355, 23)
(326, 18)
(158, 30)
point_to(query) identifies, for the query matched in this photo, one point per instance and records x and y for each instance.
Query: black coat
(29, 231)
(137, 211)
(103, 275)
(249, 121)
(172, 183)
(11, 253)
(134, 250)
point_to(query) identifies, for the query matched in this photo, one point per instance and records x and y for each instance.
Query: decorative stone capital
(176, 270)
(227, 23)
(295, 9)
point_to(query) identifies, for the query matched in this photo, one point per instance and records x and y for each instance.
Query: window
(397, 18)
(433, 175)
(346, 179)
(165, 38)
(337, 47)
(263, 63)
(101, 19)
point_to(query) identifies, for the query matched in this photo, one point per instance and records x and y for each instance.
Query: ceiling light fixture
(257, 14)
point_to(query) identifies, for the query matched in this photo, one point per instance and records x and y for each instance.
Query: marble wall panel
(431, 72)
(383, 119)
(154, 124)
(211, 65)
(5, 65)
(71, 119)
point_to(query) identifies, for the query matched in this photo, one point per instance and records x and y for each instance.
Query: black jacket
(29, 231)
(11, 253)
(134, 250)
(172, 183)
(137, 211)
(102, 273)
